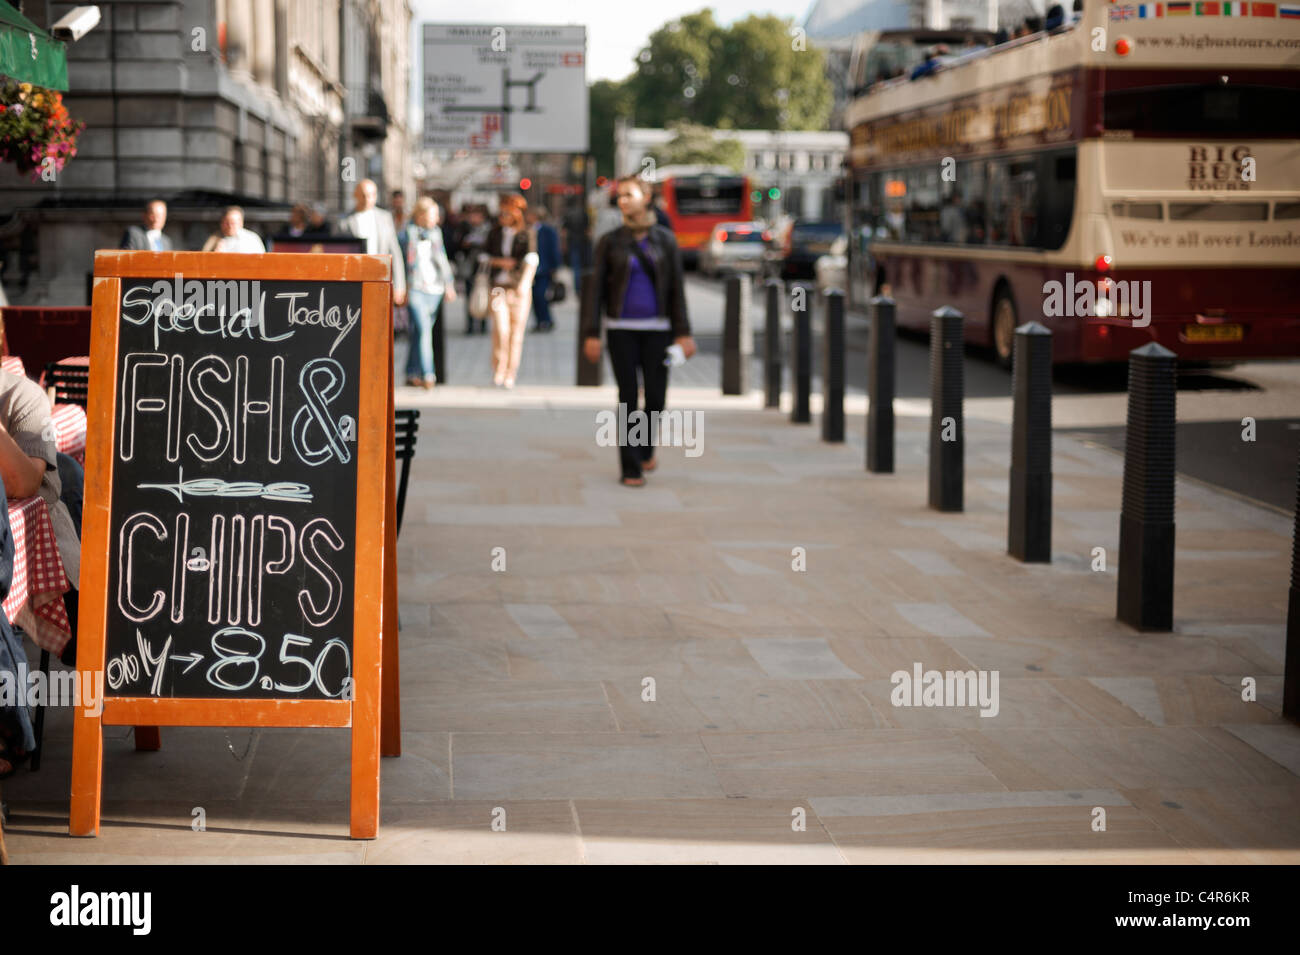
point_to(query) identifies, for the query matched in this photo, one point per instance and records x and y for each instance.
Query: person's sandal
(632, 481)
(649, 465)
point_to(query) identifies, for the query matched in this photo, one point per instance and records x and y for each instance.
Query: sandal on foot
(632, 481)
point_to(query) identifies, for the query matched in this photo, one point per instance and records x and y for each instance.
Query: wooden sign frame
(374, 706)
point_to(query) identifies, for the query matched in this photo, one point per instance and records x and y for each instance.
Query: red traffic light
(525, 185)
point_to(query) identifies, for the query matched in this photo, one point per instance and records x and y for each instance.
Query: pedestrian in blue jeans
(548, 261)
(429, 278)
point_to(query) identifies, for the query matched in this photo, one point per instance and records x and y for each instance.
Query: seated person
(17, 741)
(29, 464)
(1055, 17)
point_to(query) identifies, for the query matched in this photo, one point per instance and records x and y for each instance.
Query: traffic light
(525, 184)
(756, 196)
(774, 193)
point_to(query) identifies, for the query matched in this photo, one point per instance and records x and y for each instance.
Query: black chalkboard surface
(232, 534)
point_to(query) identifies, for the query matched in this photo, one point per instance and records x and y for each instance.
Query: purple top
(640, 301)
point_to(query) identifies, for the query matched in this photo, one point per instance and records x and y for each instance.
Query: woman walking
(429, 277)
(512, 252)
(641, 299)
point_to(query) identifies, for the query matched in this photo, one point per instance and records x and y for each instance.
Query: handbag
(480, 295)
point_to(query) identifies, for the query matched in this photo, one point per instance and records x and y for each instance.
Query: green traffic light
(774, 193)
(756, 196)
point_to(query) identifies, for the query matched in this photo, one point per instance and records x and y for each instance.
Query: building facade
(208, 103)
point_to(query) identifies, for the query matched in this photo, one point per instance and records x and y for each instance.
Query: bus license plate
(1213, 333)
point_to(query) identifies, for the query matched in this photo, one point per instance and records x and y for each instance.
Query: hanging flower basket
(36, 132)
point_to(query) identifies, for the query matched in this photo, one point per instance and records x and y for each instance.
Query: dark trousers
(628, 352)
(541, 307)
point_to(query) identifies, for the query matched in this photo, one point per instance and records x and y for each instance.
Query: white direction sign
(493, 86)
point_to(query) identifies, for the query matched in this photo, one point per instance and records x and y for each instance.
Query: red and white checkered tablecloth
(35, 601)
(70, 431)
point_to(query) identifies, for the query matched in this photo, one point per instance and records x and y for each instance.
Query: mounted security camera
(77, 23)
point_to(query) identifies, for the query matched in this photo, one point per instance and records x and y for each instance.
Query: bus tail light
(1103, 263)
(1123, 46)
(721, 235)
(767, 235)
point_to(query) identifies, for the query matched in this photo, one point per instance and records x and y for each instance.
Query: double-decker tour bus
(698, 199)
(1130, 177)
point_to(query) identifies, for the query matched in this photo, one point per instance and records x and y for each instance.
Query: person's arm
(591, 305)
(680, 321)
(21, 472)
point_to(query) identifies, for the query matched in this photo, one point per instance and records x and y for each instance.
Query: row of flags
(1204, 8)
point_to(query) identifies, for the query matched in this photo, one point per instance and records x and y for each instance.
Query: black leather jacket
(603, 295)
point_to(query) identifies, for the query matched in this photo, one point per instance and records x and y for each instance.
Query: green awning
(29, 54)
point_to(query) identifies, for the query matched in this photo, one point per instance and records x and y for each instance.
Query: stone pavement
(525, 693)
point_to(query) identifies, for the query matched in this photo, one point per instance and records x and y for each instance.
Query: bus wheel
(1004, 328)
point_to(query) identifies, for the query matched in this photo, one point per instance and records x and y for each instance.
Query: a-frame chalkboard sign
(238, 549)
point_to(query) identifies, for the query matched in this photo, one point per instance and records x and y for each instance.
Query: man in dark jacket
(548, 255)
(148, 237)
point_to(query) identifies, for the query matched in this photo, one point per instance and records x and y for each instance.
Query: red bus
(1130, 177)
(699, 198)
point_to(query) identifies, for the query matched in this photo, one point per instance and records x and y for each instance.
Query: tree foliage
(693, 144)
(749, 75)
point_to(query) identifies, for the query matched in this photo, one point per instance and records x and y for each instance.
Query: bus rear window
(1136, 210)
(1286, 210)
(723, 198)
(1219, 211)
(1199, 109)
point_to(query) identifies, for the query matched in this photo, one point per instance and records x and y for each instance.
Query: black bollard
(880, 387)
(737, 342)
(590, 373)
(801, 355)
(833, 367)
(774, 290)
(1029, 512)
(1146, 521)
(439, 342)
(947, 435)
(1291, 669)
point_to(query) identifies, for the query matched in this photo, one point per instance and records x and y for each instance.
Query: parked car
(735, 247)
(807, 241)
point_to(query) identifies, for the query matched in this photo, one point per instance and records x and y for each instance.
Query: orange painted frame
(374, 520)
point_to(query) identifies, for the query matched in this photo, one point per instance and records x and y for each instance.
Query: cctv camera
(76, 24)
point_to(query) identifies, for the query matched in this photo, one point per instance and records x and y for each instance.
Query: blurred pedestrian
(640, 298)
(299, 220)
(470, 243)
(398, 206)
(661, 215)
(231, 236)
(577, 242)
(375, 226)
(547, 241)
(149, 236)
(318, 221)
(512, 252)
(430, 280)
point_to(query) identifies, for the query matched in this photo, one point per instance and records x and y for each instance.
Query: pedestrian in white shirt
(375, 226)
(232, 236)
